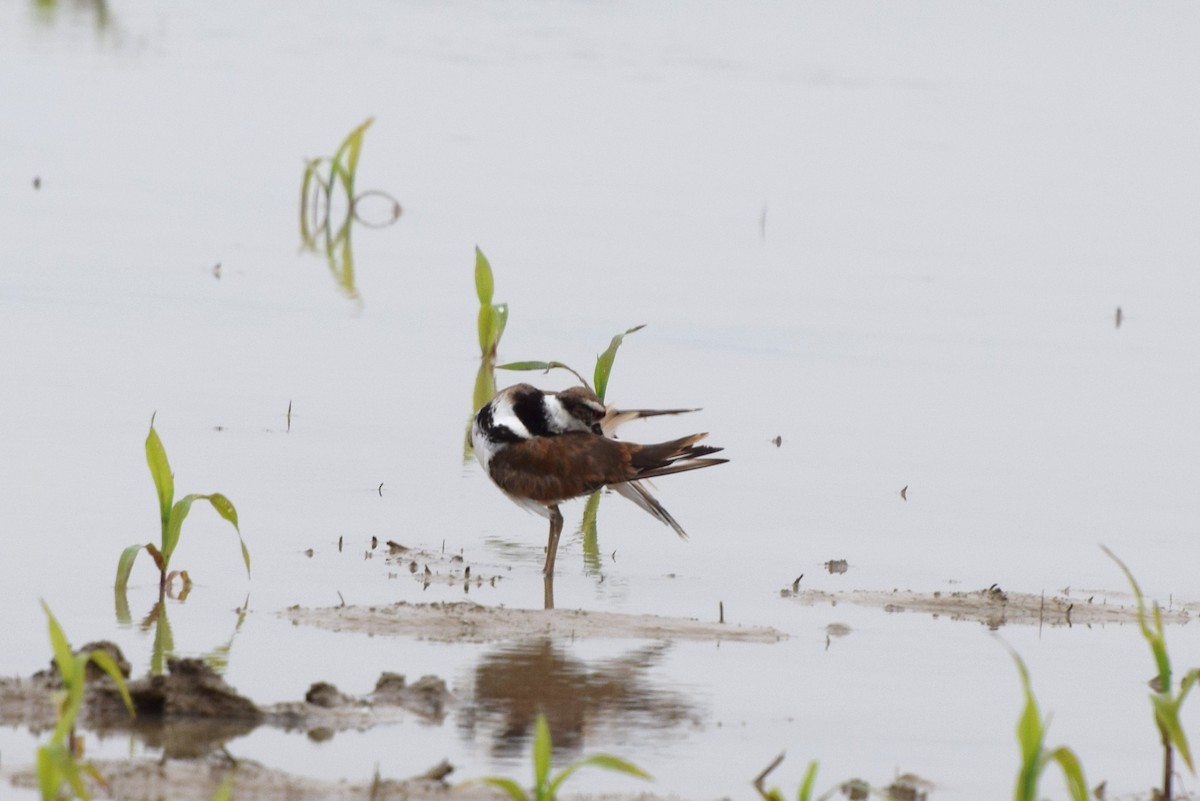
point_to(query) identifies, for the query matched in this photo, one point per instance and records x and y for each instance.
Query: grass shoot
(546, 787)
(1165, 701)
(172, 513)
(58, 760)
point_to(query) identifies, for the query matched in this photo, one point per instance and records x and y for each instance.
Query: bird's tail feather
(634, 491)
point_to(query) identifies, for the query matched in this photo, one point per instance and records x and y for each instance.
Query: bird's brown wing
(552, 469)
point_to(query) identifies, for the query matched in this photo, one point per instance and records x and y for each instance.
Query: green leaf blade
(499, 322)
(604, 362)
(605, 761)
(486, 325)
(125, 565)
(106, 663)
(1166, 714)
(49, 777)
(70, 771)
(224, 508)
(344, 164)
(615, 764)
(63, 657)
(543, 366)
(514, 790)
(806, 786)
(160, 471)
(1072, 771)
(485, 285)
(542, 749)
(179, 513)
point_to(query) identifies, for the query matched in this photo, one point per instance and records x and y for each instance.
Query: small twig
(760, 778)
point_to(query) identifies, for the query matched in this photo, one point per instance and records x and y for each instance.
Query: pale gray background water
(957, 197)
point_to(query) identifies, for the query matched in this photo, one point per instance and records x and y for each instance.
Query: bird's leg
(556, 524)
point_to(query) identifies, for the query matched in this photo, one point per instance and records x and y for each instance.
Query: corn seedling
(324, 181)
(172, 514)
(1165, 701)
(492, 316)
(58, 760)
(317, 188)
(546, 787)
(490, 323)
(1031, 737)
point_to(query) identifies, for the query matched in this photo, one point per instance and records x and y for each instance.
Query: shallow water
(895, 236)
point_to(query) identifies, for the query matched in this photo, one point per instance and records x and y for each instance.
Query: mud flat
(468, 622)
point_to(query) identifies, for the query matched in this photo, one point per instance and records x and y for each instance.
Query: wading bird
(542, 448)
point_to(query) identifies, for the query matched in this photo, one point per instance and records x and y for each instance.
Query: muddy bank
(993, 607)
(468, 622)
(198, 780)
(191, 711)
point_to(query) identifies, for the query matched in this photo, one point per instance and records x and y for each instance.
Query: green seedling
(58, 760)
(324, 180)
(492, 316)
(805, 793)
(490, 322)
(545, 786)
(1165, 701)
(1035, 758)
(315, 186)
(172, 514)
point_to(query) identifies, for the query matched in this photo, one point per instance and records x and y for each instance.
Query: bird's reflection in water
(512, 683)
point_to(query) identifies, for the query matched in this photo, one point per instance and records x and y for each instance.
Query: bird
(543, 447)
